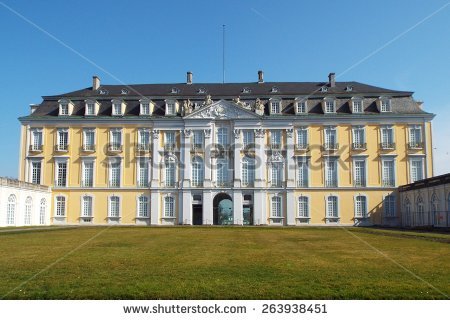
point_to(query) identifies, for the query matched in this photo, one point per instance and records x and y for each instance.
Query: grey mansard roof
(402, 102)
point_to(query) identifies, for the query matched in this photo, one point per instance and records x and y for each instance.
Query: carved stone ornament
(276, 157)
(187, 132)
(237, 133)
(155, 134)
(207, 133)
(259, 133)
(289, 132)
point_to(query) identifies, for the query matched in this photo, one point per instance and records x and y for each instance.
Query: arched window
(87, 206)
(170, 172)
(60, 206)
(434, 208)
(169, 207)
(42, 211)
(143, 207)
(11, 210)
(114, 207)
(407, 212)
(420, 212)
(197, 172)
(248, 171)
(361, 207)
(276, 207)
(332, 207)
(303, 207)
(27, 215)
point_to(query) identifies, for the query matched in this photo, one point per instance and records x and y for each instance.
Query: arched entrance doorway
(223, 209)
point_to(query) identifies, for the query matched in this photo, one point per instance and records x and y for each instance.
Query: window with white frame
(170, 172)
(42, 211)
(115, 139)
(330, 138)
(169, 140)
(330, 106)
(357, 106)
(275, 139)
(302, 138)
(87, 177)
(197, 172)
(248, 171)
(61, 173)
(331, 172)
(198, 139)
(143, 139)
(416, 166)
(36, 139)
(143, 207)
(60, 206)
(117, 108)
(170, 108)
(115, 172)
(169, 207)
(388, 172)
(332, 207)
(276, 174)
(385, 105)
(143, 177)
(301, 107)
(302, 172)
(387, 137)
(276, 207)
(145, 108)
(62, 139)
(86, 206)
(11, 210)
(27, 214)
(114, 207)
(222, 171)
(90, 108)
(222, 136)
(360, 206)
(389, 206)
(359, 172)
(248, 137)
(359, 137)
(415, 136)
(36, 171)
(275, 107)
(89, 139)
(64, 109)
(303, 207)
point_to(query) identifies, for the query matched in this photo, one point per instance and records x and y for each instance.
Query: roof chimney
(95, 83)
(332, 79)
(260, 76)
(189, 77)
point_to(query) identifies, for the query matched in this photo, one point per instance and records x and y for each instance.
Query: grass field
(223, 263)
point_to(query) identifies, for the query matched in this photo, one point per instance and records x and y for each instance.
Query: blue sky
(158, 41)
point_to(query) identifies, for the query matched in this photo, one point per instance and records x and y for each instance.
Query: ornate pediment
(222, 110)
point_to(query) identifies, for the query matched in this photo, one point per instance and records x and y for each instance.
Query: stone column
(237, 159)
(238, 216)
(208, 146)
(155, 197)
(207, 208)
(186, 208)
(186, 156)
(290, 208)
(290, 160)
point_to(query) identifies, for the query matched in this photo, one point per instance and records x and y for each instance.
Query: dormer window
(385, 105)
(103, 91)
(323, 89)
(357, 105)
(124, 91)
(171, 109)
(275, 106)
(145, 108)
(275, 89)
(201, 90)
(174, 90)
(246, 90)
(118, 107)
(348, 88)
(330, 106)
(91, 108)
(300, 106)
(65, 107)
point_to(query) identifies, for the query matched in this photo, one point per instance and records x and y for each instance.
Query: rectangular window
(385, 105)
(248, 138)
(171, 108)
(63, 140)
(117, 109)
(276, 174)
(357, 106)
(415, 137)
(36, 140)
(87, 206)
(169, 140)
(143, 207)
(222, 137)
(360, 207)
(169, 207)
(64, 109)
(248, 171)
(303, 207)
(143, 172)
(302, 172)
(116, 140)
(89, 139)
(87, 179)
(61, 174)
(276, 207)
(302, 138)
(389, 206)
(388, 173)
(275, 139)
(275, 107)
(332, 207)
(222, 172)
(359, 138)
(301, 107)
(330, 106)
(198, 140)
(359, 177)
(114, 173)
(60, 206)
(114, 206)
(170, 174)
(143, 140)
(387, 138)
(330, 138)
(331, 175)
(145, 108)
(36, 169)
(416, 170)
(90, 109)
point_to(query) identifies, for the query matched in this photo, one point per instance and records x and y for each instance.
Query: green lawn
(223, 263)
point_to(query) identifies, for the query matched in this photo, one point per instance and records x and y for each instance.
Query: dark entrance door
(247, 212)
(197, 214)
(223, 209)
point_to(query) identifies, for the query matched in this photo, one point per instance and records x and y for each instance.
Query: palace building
(258, 153)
